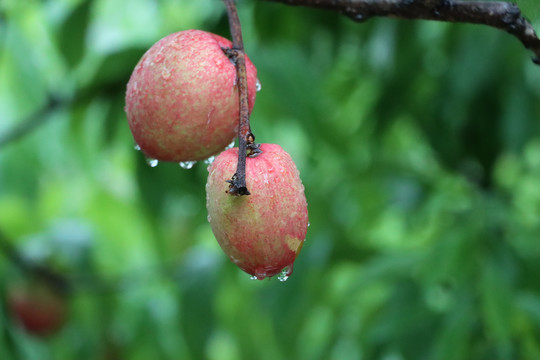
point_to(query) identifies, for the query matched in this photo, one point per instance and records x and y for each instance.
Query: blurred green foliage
(418, 143)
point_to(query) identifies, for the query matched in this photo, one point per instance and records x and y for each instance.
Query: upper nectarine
(182, 99)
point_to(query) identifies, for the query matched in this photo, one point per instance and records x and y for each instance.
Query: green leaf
(72, 34)
(497, 308)
(118, 66)
(113, 73)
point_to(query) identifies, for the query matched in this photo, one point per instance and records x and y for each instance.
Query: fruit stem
(246, 139)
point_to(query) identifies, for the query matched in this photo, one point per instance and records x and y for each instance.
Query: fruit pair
(182, 105)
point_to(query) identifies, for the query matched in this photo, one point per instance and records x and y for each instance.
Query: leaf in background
(72, 34)
(454, 339)
(112, 118)
(118, 66)
(113, 73)
(530, 9)
(497, 309)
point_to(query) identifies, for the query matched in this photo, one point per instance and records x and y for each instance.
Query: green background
(418, 144)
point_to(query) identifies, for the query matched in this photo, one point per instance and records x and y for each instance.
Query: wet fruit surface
(182, 98)
(263, 232)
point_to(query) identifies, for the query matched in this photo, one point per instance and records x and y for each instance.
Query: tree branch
(245, 137)
(52, 278)
(31, 123)
(501, 15)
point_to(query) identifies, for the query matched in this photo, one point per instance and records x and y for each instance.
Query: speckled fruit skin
(182, 98)
(39, 310)
(263, 232)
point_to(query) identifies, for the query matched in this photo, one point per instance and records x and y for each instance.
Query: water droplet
(187, 164)
(359, 18)
(152, 162)
(175, 45)
(158, 58)
(230, 146)
(209, 116)
(258, 85)
(137, 147)
(219, 63)
(253, 277)
(285, 273)
(210, 160)
(209, 218)
(260, 273)
(308, 224)
(165, 74)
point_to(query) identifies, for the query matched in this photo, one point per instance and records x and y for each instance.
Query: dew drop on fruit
(260, 274)
(258, 86)
(308, 224)
(187, 164)
(219, 63)
(285, 273)
(166, 74)
(210, 160)
(158, 58)
(137, 147)
(152, 162)
(359, 18)
(253, 277)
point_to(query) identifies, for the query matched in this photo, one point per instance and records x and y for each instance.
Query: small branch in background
(56, 102)
(11, 253)
(32, 122)
(67, 284)
(498, 14)
(245, 138)
(52, 278)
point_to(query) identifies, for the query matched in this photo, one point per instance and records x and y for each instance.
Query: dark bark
(245, 137)
(501, 15)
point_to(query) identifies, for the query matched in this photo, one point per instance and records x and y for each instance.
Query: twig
(31, 123)
(65, 284)
(52, 278)
(245, 137)
(498, 14)
(56, 102)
